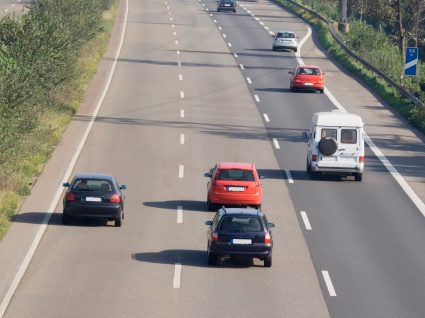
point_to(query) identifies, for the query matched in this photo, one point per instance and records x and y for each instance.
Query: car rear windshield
(236, 175)
(92, 185)
(286, 35)
(349, 136)
(241, 224)
(308, 71)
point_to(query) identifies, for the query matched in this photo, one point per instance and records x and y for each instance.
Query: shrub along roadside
(47, 59)
(415, 115)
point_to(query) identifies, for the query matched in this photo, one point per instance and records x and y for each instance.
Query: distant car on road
(307, 77)
(92, 195)
(285, 40)
(233, 183)
(226, 5)
(241, 233)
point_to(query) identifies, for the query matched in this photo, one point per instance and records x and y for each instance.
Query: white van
(336, 145)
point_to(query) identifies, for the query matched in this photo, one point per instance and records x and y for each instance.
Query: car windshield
(92, 185)
(308, 71)
(236, 174)
(226, 2)
(241, 224)
(285, 35)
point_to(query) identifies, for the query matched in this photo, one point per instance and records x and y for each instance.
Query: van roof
(337, 119)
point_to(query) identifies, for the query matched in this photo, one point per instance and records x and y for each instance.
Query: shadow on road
(188, 205)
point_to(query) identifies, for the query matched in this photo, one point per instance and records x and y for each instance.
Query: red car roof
(308, 66)
(235, 165)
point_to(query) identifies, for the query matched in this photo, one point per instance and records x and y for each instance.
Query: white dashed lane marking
(306, 220)
(266, 118)
(257, 99)
(241, 66)
(181, 94)
(181, 139)
(289, 176)
(177, 275)
(180, 77)
(249, 80)
(235, 55)
(181, 171)
(329, 284)
(179, 214)
(181, 113)
(276, 143)
(229, 44)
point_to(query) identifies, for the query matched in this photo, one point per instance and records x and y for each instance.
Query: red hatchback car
(233, 183)
(307, 77)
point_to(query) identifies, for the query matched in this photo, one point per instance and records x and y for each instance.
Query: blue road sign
(411, 61)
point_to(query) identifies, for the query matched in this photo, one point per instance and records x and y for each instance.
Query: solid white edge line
(181, 171)
(289, 176)
(257, 99)
(329, 284)
(180, 214)
(249, 80)
(305, 220)
(24, 266)
(182, 139)
(276, 143)
(266, 118)
(181, 113)
(420, 205)
(177, 275)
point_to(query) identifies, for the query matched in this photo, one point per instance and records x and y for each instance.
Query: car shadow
(56, 219)
(194, 258)
(274, 89)
(188, 205)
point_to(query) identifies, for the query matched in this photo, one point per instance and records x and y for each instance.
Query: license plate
(308, 84)
(242, 241)
(235, 189)
(227, 5)
(93, 199)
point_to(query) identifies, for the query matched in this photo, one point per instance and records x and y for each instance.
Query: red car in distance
(234, 184)
(307, 77)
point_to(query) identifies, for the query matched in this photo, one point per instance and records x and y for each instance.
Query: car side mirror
(262, 177)
(208, 223)
(207, 174)
(305, 135)
(123, 187)
(66, 184)
(290, 72)
(271, 225)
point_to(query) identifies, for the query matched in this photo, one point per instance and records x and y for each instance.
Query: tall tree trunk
(402, 35)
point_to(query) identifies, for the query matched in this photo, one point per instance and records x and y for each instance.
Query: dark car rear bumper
(95, 211)
(242, 251)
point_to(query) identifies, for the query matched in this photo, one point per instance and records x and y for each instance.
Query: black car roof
(242, 211)
(93, 176)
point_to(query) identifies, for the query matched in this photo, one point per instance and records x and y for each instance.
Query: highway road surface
(192, 87)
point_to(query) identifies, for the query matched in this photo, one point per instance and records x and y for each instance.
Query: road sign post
(411, 61)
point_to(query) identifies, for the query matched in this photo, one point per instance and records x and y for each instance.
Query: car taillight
(267, 238)
(70, 196)
(361, 159)
(313, 157)
(214, 236)
(115, 198)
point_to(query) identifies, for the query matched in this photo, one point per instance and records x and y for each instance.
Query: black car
(92, 195)
(240, 232)
(226, 5)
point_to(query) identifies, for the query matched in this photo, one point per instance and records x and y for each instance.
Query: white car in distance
(285, 40)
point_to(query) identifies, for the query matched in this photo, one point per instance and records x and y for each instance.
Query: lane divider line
(181, 171)
(248, 79)
(276, 143)
(257, 99)
(229, 44)
(241, 66)
(266, 118)
(179, 64)
(181, 139)
(179, 214)
(181, 113)
(289, 176)
(181, 94)
(31, 251)
(172, 25)
(180, 77)
(235, 55)
(177, 275)
(177, 42)
(178, 52)
(329, 284)
(305, 220)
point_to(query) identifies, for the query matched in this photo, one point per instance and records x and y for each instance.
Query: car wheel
(258, 207)
(66, 219)
(274, 48)
(118, 220)
(268, 261)
(211, 206)
(291, 88)
(308, 168)
(234, 11)
(321, 90)
(212, 259)
(218, 10)
(295, 50)
(358, 176)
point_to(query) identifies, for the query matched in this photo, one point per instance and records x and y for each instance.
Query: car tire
(210, 206)
(291, 88)
(218, 10)
(308, 169)
(212, 259)
(66, 219)
(274, 48)
(321, 90)
(328, 146)
(234, 11)
(358, 176)
(295, 50)
(118, 220)
(268, 261)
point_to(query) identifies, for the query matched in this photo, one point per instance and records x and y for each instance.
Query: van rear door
(349, 147)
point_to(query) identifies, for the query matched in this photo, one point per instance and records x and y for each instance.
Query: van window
(328, 133)
(348, 136)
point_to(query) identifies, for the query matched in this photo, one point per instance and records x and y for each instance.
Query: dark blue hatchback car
(240, 232)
